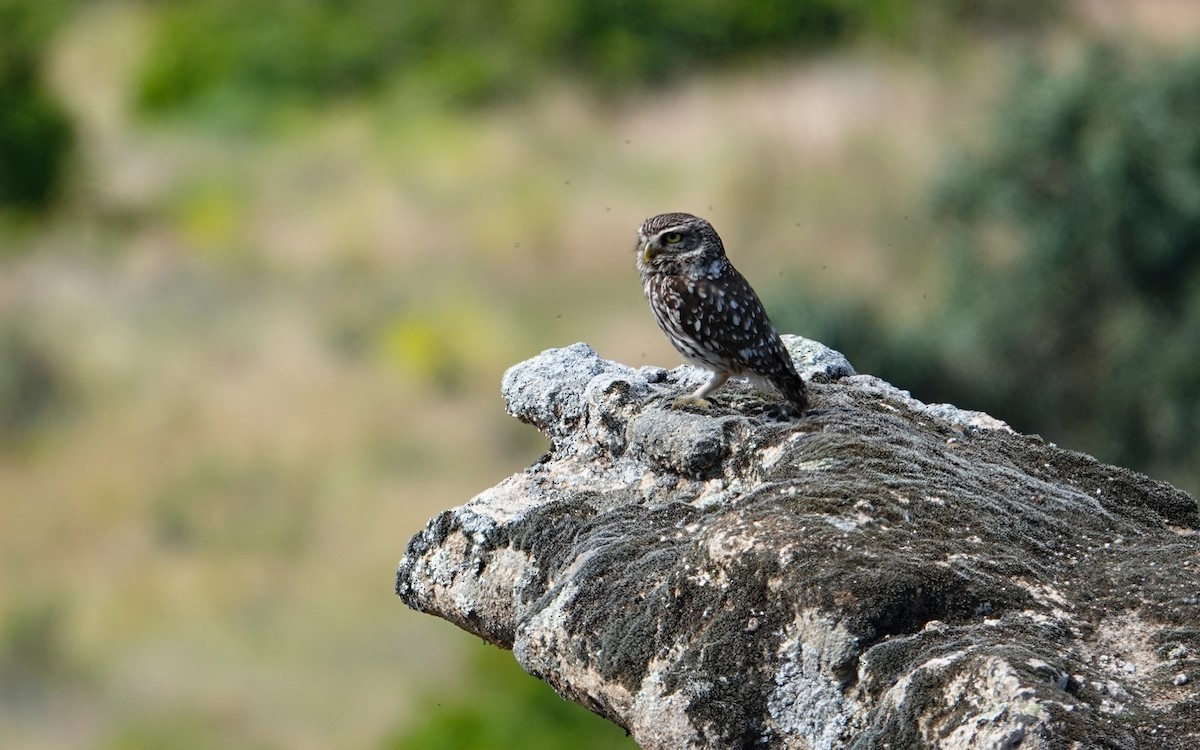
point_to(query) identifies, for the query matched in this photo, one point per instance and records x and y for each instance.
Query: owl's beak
(649, 250)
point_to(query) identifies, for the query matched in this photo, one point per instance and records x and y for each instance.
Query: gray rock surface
(878, 573)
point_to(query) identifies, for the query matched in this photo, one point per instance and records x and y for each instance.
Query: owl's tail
(792, 387)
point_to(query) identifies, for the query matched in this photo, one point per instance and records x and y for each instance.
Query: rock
(876, 573)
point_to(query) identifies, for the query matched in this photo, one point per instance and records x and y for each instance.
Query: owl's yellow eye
(672, 238)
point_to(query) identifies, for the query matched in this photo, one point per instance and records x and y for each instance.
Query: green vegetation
(35, 658)
(35, 134)
(1072, 302)
(233, 52)
(1075, 306)
(504, 707)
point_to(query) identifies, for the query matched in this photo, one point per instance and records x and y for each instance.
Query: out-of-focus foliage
(1076, 306)
(35, 134)
(477, 50)
(508, 708)
(32, 386)
(988, 15)
(34, 655)
(1073, 301)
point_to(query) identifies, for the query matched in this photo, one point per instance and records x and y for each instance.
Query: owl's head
(673, 243)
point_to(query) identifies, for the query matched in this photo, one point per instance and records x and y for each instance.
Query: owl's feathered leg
(715, 381)
(698, 398)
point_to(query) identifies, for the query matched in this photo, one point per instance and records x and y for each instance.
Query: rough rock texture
(879, 573)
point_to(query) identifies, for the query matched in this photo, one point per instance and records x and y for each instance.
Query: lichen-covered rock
(878, 573)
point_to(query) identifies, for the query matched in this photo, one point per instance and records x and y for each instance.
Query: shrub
(1073, 297)
(1082, 321)
(35, 134)
(504, 707)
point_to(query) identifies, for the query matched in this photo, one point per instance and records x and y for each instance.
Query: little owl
(708, 310)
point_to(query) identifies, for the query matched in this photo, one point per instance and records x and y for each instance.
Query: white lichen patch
(1001, 707)
(771, 455)
(1122, 649)
(543, 646)
(814, 466)
(495, 594)
(806, 703)
(660, 719)
(497, 505)
(722, 546)
(807, 700)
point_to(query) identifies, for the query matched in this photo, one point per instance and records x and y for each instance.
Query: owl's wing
(726, 315)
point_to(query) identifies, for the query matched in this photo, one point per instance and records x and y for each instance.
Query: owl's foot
(693, 401)
(697, 400)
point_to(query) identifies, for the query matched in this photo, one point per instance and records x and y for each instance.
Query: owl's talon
(684, 402)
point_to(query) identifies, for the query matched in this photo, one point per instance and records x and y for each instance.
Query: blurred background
(263, 262)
